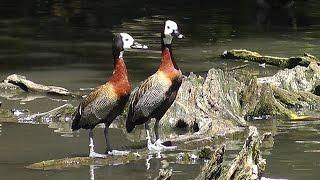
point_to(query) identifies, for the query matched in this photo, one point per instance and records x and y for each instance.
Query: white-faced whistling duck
(153, 97)
(107, 101)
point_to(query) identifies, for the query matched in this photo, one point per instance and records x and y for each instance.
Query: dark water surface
(67, 43)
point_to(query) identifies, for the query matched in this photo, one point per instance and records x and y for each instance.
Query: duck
(153, 97)
(107, 101)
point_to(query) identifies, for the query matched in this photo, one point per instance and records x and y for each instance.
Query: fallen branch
(283, 62)
(29, 86)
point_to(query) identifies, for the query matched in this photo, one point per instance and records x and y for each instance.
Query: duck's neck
(120, 73)
(167, 61)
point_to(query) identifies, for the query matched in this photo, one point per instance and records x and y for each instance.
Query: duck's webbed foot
(158, 146)
(117, 153)
(93, 154)
(97, 155)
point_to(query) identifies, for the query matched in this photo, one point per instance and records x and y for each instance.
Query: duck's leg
(158, 142)
(156, 129)
(157, 146)
(152, 147)
(146, 126)
(109, 150)
(106, 136)
(93, 154)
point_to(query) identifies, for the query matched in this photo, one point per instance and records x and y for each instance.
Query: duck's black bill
(177, 34)
(136, 45)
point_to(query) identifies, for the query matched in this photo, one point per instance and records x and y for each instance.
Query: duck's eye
(168, 27)
(126, 39)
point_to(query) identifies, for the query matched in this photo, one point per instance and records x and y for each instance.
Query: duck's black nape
(117, 46)
(169, 46)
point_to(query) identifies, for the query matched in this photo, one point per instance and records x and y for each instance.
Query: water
(68, 44)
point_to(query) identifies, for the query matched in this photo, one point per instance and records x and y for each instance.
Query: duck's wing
(148, 96)
(95, 107)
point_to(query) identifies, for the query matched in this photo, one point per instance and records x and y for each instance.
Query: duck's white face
(170, 27)
(127, 40)
(170, 31)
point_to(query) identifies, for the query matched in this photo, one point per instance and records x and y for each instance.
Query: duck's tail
(76, 119)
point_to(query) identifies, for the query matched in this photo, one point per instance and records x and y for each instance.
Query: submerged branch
(85, 161)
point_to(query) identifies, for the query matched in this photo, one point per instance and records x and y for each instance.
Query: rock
(284, 62)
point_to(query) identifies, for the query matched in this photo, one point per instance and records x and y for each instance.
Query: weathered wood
(213, 169)
(30, 86)
(7, 116)
(207, 105)
(283, 62)
(164, 174)
(249, 163)
(59, 114)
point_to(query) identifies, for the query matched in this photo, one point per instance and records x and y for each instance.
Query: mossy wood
(85, 161)
(283, 62)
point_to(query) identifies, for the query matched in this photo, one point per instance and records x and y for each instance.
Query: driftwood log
(283, 62)
(29, 86)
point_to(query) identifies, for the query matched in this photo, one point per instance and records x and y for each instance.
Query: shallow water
(68, 44)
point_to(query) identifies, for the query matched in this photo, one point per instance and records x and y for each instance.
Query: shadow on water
(67, 43)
